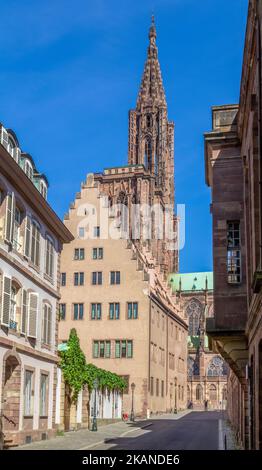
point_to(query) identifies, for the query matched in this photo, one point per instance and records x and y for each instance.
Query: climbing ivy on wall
(78, 373)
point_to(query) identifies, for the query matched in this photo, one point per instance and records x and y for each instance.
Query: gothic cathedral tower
(151, 135)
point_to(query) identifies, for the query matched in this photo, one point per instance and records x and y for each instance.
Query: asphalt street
(195, 431)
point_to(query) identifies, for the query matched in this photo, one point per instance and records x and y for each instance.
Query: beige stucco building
(114, 275)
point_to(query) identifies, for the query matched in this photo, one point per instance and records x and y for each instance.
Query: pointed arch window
(193, 312)
(216, 367)
(199, 393)
(192, 367)
(148, 153)
(148, 121)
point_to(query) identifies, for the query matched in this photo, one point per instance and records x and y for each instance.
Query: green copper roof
(191, 281)
(193, 341)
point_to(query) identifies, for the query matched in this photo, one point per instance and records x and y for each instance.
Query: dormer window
(43, 189)
(29, 170)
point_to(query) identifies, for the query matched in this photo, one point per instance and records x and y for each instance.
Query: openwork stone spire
(151, 89)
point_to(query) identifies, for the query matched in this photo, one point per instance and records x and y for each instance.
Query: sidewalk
(85, 439)
(227, 439)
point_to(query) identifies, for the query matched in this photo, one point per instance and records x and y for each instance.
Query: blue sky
(70, 71)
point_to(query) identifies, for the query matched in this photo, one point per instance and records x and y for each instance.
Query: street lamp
(132, 416)
(175, 410)
(94, 424)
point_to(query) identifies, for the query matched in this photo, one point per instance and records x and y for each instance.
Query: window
(28, 170)
(194, 312)
(97, 278)
(63, 279)
(79, 254)
(162, 388)
(98, 253)
(96, 311)
(124, 348)
(198, 392)
(114, 277)
(157, 387)
(96, 232)
(49, 258)
(151, 385)
(43, 394)
(81, 232)
(13, 307)
(212, 392)
(28, 393)
(114, 311)
(62, 311)
(192, 366)
(233, 253)
(132, 310)
(35, 244)
(102, 349)
(79, 279)
(47, 323)
(216, 367)
(78, 311)
(43, 189)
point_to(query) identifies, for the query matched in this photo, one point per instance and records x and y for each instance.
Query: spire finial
(152, 30)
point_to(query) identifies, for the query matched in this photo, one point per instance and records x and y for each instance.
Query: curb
(110, 439)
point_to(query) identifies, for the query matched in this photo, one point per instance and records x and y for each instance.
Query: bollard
(225, 442)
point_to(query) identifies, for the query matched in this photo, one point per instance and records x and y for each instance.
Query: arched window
(224, 393)
(148, 120)
(122, 210)
(212, 392)
(216, 367)
(193, 312)
(192, 367)
(43, 189)
(199, 393)
(148, 153)
(28, 169)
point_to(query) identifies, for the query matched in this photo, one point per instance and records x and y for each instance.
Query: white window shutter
(6, 297)
(24, 311)
(44, 314)
(27, 242)
(32, 315)
(49, 324)
(47, 256)
(37, 247)
(9, 217)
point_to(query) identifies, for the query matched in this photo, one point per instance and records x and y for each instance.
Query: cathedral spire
(151, 88)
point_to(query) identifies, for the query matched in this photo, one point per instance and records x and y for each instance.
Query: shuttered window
(49, 258)
(9, 217)
(32, 315)
(6, 301)
(46, 324)
(24, 312)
